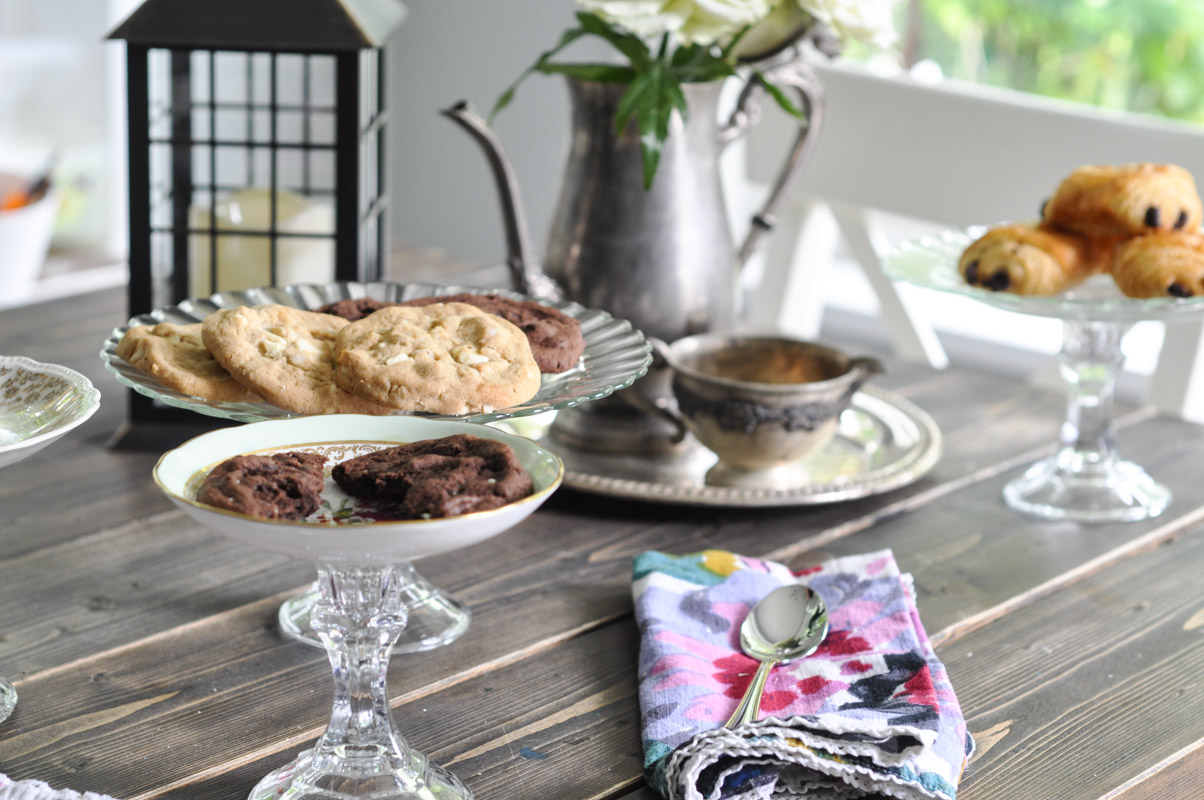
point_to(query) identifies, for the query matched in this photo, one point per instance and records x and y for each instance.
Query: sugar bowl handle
(664, 407)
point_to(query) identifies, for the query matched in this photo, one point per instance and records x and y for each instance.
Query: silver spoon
(788, 623)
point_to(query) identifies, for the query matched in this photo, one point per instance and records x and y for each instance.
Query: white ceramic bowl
(25, 235)
(38, 404)
(340, 436)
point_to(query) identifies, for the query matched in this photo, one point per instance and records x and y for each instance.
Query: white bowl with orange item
(26, 225)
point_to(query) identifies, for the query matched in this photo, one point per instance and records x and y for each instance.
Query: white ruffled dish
(39, 403)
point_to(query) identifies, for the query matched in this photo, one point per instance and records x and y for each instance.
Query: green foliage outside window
(1141, 55)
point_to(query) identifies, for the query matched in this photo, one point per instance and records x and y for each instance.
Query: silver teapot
(662, 258)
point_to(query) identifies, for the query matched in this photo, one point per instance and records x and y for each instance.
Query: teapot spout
(525, 271)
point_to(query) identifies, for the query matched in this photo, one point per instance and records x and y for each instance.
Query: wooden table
(149, 665)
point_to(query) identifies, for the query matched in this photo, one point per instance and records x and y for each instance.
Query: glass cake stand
(363, 589)
(1086, 480)
(39, 403)
(616, 354)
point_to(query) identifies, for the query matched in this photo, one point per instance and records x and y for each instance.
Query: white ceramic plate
(38, 404)
(336, 534)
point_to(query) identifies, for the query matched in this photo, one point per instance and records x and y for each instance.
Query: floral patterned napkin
(871, 712)
(38, 790)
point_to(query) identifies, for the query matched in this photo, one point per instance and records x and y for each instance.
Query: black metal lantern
(256, 146)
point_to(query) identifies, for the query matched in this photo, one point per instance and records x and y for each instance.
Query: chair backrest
(957, 153)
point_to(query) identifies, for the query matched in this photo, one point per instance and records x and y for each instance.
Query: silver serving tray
(884, 442)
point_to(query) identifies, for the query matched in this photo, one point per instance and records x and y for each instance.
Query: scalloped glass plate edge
(930, 262)
(621, 356)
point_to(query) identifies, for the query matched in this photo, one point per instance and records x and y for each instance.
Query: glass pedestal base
(360, 778)
(435, 619)
(1067, 486)
(8, 699)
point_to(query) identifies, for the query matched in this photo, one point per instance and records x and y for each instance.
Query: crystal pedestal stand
(1086, 480)
(434, 618)
(8, 699)
(360, 613)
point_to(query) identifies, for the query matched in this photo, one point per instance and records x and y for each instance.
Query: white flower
(692, 21)
(870, 21)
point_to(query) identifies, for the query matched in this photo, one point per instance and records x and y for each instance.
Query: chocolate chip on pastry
(1161, 265)
(1124, 201)
(1028, 259)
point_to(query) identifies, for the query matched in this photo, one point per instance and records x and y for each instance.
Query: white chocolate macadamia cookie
(284, 354)
(446, 358)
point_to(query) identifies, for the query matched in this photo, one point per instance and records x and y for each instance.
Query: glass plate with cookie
(609, 354)
(1086, 479)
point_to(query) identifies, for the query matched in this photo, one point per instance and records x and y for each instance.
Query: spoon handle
(750, 704)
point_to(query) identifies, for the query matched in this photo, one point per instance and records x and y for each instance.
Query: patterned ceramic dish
(616, 354)
(38, 404)
(362, 537)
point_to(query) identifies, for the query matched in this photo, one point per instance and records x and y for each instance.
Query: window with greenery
(1141, 55)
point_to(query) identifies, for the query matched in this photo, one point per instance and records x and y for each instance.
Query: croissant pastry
(1030, 259)
(1124, 201)
(1161, 265)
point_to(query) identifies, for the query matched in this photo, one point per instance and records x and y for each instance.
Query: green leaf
(566, 38)
(697, 64)
(628, 44)
(777, 94)
(651, 98)
(605, 73)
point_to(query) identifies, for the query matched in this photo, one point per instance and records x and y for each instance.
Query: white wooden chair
(958, 155)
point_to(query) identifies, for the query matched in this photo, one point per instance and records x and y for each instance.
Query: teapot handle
(796, 75)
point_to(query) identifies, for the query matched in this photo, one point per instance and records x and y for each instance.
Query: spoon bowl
(788, 623)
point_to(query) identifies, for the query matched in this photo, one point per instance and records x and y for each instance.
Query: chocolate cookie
(555, 337)
(279, 486)
(437, 477)
(352, 309)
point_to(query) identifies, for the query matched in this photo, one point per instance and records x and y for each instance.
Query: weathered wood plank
(1180, 777)
(572, 732)
(974, 558)
(1094, 685)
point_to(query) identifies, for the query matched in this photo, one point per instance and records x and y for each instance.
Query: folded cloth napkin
(870, 713)
(37, 790)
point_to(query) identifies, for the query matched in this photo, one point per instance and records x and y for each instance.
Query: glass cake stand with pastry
(1115, 245)
(362, 497)
(387, 349)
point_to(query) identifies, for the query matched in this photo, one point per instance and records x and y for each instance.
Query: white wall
(441, 191)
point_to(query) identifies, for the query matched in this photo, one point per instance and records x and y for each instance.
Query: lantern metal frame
(177, 37)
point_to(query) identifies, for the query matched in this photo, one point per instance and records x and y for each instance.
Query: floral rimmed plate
(364, 536)
(931, 262)
(38, 404)
(616, 354)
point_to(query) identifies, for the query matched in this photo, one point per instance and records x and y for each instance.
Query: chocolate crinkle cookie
(555, 337)
(279, 486)
(437, 477)
(354, 309)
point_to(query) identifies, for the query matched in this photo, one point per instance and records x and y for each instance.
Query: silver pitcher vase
(661, 257)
